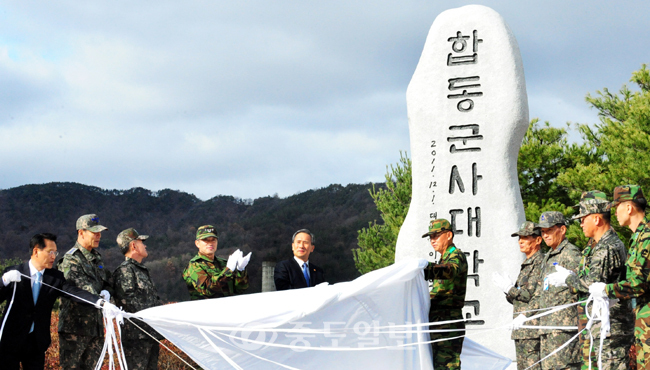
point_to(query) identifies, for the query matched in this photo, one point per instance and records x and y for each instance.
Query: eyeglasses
(53, 253)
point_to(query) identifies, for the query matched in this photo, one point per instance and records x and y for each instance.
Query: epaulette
(72, 250)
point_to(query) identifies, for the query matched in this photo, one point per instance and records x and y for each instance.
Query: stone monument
(468, 113)
(268, 284)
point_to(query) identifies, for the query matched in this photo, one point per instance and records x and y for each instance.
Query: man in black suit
(298, 272)
(26, 332)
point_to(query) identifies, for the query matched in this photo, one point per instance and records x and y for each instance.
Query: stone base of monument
(468, 113)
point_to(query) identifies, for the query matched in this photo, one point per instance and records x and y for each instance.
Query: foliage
(377, 241)
(544, 154)
(7, 262)
(620, 142)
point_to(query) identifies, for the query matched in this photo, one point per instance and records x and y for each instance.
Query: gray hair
(306, 231)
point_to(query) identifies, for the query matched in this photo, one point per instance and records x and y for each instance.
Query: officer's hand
(563, 273)
(12, 276)
(557, 279)
(598, 290)
(232, 261)
(518, 322)
(105, 294)
(502, 282)
(243, 261)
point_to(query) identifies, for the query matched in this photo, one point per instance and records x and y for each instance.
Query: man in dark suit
(26, 332)
(298, 272)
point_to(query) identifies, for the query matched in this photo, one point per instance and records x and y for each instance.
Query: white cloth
(210, 331)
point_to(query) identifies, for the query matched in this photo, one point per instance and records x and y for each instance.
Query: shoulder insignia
(72, 250)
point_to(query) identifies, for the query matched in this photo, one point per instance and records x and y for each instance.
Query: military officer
(81, 328)
(603, 260)
(524, 294)
(567, 255)
(134, 291)
(447, 294)
(209, 276)
(630, 211)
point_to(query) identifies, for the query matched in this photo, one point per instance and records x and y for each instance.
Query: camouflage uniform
(134, 291)
(602, 261)
(566, 255)
(636, 286)
(81, 328)
(524, 296)
(447, 300)
(212, 279)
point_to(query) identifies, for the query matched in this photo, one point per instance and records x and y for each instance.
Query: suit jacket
(24, 311)
(288, 275)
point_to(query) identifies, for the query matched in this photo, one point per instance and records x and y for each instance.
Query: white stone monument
(468, 113)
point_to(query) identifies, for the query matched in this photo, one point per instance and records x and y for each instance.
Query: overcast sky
(261, 97)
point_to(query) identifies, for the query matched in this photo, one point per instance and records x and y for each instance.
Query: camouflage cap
(90, 222)
(206, 231)
(550, 219)
(127, 236)
(628, 192)
(594, 201)
(528, 228)
(436, 226)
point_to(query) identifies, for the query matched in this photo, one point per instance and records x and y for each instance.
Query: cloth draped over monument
(369, 321)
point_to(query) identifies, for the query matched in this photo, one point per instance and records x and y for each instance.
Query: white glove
(12, 276)
(502, 282)
(232, 261)
(243, 261)
(556, 279)
(105, 294)
(598, 290)
(518, 321)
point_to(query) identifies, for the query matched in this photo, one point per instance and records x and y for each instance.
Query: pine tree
(377, 241)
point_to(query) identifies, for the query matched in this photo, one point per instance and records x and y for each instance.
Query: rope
(7, 313)
(160, 342)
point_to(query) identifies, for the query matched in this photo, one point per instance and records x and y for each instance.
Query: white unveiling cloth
(323, 327)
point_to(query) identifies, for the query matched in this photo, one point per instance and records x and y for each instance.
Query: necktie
(305, 271)
(35, 289)
(37, 286)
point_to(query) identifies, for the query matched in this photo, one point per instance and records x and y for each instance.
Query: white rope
(599, 311)
(549, 308)
(219, 351)
(111, 342)
(8, 309)
(159, 342)
(258, 357)
(556, 351)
